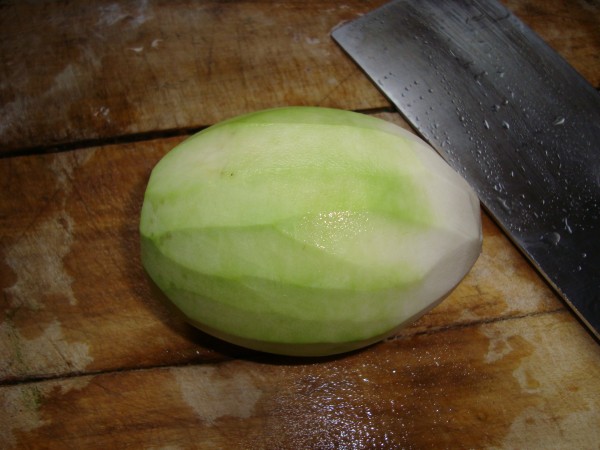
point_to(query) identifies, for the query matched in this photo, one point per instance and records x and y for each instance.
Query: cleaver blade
(507, 113)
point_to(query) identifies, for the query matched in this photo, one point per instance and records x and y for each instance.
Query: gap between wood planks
(265, 357)
(99, 142)
(131, 138)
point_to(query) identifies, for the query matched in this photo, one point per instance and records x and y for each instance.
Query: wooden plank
(570, 28)
(90, 354)
(76, 299)
(495, 385)
(83, 71)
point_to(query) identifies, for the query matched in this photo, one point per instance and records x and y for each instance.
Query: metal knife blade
(506, 112)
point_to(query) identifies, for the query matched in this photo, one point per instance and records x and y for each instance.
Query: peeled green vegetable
(306, 231)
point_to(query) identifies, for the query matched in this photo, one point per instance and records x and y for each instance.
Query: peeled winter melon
(306, 231)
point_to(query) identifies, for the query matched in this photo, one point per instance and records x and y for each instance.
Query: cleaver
(507, 113)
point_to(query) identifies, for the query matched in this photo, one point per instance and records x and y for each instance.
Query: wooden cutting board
(92, 95)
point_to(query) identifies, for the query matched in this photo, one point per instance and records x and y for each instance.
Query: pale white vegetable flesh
(306, 231)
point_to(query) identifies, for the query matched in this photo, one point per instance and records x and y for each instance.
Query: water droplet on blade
(567, 226)
(504, 204)
(552, 238)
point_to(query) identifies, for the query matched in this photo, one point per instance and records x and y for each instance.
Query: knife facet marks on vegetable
(306, 231)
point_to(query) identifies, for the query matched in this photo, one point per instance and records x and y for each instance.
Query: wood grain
(82, 71)
(92, 356)
(494, 385)
(79, 72)
(571, 28)
(76, 298)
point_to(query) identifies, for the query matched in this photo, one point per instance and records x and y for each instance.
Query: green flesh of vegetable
(306, 231)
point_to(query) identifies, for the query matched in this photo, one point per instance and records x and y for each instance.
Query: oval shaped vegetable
(306, 231)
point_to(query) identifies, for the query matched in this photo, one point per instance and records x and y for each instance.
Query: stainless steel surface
(506, 112)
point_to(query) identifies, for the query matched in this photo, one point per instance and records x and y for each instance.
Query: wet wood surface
(92, 95)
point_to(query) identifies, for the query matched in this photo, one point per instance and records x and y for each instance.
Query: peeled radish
(306, 231)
